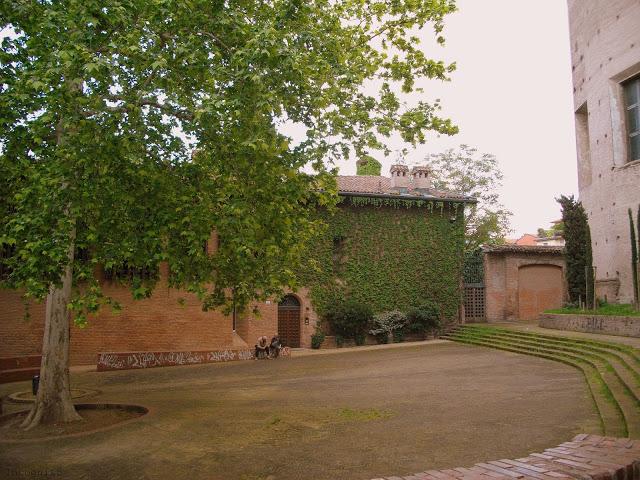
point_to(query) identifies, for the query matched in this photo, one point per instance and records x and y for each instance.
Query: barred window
(632, 106)
(126, 272)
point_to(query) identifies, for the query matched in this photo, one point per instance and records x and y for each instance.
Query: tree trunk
(53, 402)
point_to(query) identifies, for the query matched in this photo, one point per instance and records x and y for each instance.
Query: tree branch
(142, 102)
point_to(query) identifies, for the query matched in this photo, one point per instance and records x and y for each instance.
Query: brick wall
(605, 50)
(154, 324)
(503, 272)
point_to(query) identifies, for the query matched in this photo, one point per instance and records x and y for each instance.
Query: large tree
(467, 171)
(130, 129)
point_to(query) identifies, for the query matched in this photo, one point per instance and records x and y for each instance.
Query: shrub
(349, 319)
(424, 318)
(317, 339)
(388, 323)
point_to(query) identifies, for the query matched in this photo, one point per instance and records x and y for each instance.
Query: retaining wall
(609, 325)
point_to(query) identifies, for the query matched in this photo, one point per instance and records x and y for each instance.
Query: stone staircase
(611, 370)
(15, 369)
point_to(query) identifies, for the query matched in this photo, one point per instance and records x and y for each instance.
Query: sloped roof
(379, 186)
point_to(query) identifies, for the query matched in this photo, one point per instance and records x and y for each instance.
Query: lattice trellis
(474, 310)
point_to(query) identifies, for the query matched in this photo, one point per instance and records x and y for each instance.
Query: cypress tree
(634, 257)
(578, 255)
(637, 265)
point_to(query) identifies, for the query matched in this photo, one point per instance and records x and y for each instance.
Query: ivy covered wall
(388, 253)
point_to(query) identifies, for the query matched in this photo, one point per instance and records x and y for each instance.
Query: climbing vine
(388, 253)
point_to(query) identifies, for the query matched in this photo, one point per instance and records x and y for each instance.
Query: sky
(511, 96)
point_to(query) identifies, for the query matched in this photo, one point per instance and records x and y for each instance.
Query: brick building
(173, 321)
(605, 50)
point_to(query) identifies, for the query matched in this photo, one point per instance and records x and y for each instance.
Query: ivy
(430, 205)
(391, 259)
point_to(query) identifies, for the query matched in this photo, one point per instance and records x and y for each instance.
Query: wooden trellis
(474, 300)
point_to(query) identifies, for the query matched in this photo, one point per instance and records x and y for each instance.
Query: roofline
(524, 249)
(402, 196)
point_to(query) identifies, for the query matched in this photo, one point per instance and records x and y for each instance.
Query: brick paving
(586, 457)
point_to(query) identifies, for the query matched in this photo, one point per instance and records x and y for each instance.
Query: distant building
(527, 239)
(530, 240)
(605, 50)
(554, 241)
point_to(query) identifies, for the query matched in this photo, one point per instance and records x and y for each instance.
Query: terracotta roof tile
(379, 185)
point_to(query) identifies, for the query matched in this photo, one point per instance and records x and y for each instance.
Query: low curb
(143, 411)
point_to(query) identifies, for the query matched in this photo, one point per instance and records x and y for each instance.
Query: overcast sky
(511, 96)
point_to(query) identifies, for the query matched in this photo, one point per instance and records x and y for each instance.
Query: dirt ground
(356, 415)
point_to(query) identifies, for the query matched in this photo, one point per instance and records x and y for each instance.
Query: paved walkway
(303, 352)
(585, 457)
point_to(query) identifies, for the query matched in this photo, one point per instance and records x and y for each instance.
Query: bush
(317, 339)
(398, 335)
(388, 323)
(424, 318)
(349, 319)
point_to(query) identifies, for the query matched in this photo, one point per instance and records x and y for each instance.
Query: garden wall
(609, 325)
(170, 320)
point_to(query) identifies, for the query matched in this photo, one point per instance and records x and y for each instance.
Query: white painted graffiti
(118, 361)
(111, 361)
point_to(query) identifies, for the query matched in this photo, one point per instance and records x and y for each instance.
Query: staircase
(15, 369)
(611, 370)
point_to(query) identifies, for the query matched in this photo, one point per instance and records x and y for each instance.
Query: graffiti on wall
(123, 361)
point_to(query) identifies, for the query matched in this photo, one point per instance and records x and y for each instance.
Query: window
(126, 272)
(632, 107)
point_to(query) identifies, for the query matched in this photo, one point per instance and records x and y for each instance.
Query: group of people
(266, 349)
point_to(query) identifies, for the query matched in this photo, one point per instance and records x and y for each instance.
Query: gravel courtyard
(352, 415)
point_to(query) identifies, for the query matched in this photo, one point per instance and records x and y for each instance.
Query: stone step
(622, 363)
(614, 420)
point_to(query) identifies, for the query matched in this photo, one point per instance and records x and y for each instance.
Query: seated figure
(275, 346)
(262, 348)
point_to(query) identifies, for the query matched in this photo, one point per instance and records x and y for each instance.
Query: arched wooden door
(540, 288)
(289, 321)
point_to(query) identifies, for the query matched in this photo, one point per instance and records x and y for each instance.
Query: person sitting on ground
(262, 348)
(275, 346)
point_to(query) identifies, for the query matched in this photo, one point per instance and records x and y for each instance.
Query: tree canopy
(467, 171)
(130, 129)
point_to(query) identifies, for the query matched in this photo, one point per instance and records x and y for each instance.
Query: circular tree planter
(97, 417)
(28, 397)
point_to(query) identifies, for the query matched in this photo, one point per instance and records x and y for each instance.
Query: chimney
(400, 178)
(420, 179)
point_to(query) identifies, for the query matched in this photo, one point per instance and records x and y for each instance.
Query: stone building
(392, 242)
(605, 50)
